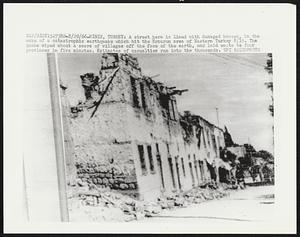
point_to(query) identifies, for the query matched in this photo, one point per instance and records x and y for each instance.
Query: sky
(233, 83)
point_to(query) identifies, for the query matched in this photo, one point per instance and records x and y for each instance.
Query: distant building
(239, 151)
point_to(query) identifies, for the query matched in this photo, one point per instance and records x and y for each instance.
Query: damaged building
(128, 135)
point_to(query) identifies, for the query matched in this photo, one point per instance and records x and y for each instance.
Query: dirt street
(254, 204)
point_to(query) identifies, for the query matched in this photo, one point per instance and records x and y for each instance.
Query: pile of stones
(134, 209)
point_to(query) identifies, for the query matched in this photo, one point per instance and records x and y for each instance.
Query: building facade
(129, 135)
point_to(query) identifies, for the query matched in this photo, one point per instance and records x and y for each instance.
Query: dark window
(208, 138)
(150, 158)
(196, 168)
(143, 96)
(218, 138)
(172, 110)
(192, 173)
(201, 169)
(160, 171)
(183, 168)
(157, 148)
(214, 142)
(142, 159)
(177, 171)
(164, 101)
(168, 148)
(135, 97)
(198, 135)
(204, 141)
(172, 172)
(169, 105)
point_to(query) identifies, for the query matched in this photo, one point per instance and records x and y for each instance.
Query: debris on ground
(90, 203)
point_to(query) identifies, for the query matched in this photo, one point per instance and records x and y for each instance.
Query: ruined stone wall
(103, 150)
(106, 144)
(102, 144)
(115, 176)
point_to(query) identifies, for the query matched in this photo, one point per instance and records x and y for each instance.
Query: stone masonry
(129, 136)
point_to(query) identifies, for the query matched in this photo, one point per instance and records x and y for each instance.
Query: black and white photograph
(167, 137)
(150, 118)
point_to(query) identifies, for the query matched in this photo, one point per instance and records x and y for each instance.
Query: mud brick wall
(103, 148)
(106, 176)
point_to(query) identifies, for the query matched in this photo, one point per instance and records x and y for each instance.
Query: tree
(227, 155)
(269, 66)
(269, 85)
(228, 139)
(269, 69)
(249, 148)
(267, 156)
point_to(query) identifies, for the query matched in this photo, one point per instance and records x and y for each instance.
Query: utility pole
(217, 111)
(250, 151)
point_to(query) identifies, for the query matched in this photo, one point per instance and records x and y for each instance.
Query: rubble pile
(94, 204)
(105, 204)
(194, 196)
